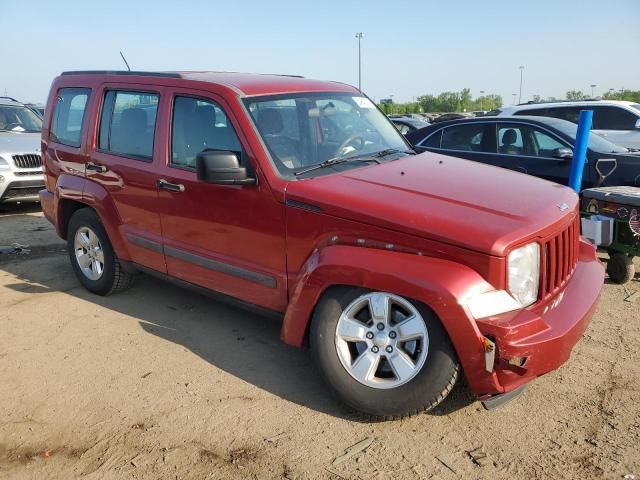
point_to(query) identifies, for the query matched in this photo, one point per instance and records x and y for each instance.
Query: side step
(496, 401)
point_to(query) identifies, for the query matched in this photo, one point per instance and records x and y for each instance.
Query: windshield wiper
(375, 157)
(337, 161)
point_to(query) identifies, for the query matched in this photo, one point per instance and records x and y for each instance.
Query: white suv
(21, 176)
(616, 120)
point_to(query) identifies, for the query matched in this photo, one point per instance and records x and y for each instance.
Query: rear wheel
(620, 268)
(92, 256)
(382, 354)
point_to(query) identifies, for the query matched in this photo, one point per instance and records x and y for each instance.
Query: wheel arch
(439, 285)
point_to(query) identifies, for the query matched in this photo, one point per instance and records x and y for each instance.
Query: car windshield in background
(596, 142)
(636, 106)
(15, 118)
(303, 130)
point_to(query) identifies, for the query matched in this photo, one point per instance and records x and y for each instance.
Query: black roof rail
(123, 72)
(9, 98)
(543, 102)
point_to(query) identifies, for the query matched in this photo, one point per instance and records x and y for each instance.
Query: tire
(620, 268)
(384, 395)
(84, 228)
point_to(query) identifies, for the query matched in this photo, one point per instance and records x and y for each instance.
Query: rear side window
(463, 137)
(68, 115)
(199, 125)
(128, 123)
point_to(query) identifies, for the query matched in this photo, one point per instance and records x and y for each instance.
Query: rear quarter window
(68, 116)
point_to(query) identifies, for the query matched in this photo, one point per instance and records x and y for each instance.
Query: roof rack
(542, 102)
(9, 98)
(123, 72)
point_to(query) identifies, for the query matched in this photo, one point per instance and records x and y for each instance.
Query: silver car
(21, 176)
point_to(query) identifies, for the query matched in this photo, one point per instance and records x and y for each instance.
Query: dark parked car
(408, 124)
(539, 146)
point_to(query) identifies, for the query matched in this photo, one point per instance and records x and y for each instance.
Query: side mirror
(637, 123)
(563, 153)
(221, 167)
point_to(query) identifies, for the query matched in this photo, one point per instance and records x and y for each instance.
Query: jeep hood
(12, 142)
(442, 198)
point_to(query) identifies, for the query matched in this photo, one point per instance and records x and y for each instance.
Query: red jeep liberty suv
(300, 197)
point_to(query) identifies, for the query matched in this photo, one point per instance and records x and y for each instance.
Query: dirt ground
(160, 382)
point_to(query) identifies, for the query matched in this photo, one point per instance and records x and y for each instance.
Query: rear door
(227, 238)
(124, 161)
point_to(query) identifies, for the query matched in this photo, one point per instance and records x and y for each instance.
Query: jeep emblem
(563, 207)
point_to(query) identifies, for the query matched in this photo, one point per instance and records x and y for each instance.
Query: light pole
(359, 36)
(521, 67)
(482, 100)
(592, 87)
(514, 97)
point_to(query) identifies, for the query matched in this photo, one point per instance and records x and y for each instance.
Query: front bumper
(535, 341)
(22, 186)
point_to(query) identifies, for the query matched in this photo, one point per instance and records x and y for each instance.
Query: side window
(463, 137)
(510, 140)
(570, 114)
(433, 141)
(545, 144)
(199, 125)
(539, 112)
(613, 118)
(402, 128)
(128, 123)
(68, 115)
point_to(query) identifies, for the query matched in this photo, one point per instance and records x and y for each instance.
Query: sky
(409, 48)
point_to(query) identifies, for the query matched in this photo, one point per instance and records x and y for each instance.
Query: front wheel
(620, 268)
(382, 354)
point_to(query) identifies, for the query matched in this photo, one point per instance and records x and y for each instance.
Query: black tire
(426, 390)
(113, 278)
(620, 268)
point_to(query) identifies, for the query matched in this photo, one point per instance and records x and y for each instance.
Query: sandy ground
(160, 382)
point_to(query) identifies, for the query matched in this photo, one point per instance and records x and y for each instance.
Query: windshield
(16, 118)
(636, 106)
(302, 130)
(596, 142)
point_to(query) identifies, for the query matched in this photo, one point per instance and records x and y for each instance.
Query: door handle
(95, 167)
(172, 187)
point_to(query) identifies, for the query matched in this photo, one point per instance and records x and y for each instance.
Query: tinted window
(68, 115)
(613, 118)
(463, 137)
(199, 125)
(540, 112)
(128, 122)
(433, 141)
(570, 114)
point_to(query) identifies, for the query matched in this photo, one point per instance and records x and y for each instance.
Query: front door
(226, 238)
(529, 149)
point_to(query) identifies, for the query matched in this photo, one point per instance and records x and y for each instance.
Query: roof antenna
(125, 61)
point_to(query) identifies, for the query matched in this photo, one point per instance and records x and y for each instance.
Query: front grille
(559, 259)
(29, 160)
(24, 174)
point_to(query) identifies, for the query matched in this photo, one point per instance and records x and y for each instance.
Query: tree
(629, 95)
(576, 95)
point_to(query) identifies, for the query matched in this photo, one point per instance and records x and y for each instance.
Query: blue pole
(580, 149)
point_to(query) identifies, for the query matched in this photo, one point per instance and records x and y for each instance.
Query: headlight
(523, 266)
(4, 165)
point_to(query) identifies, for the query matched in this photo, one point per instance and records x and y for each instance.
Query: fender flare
(79, 190)
(441, 285)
